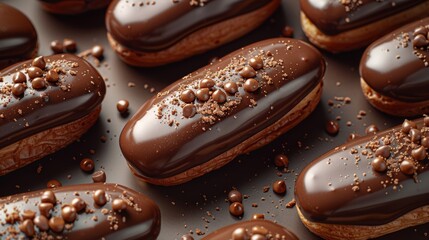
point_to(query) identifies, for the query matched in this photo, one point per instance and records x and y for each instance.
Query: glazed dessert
(18, 37)
(47, 103)
(87, 211)
(369, 187)
(338, 25)
(395, 71)
(253, 229)
(233, 106)
(68, 7)
(159, 32)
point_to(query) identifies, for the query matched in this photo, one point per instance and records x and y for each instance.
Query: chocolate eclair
(87, 211)
(230, 107)
(253, 229)
(72, 7)
(339, 26)
(18, 37)
(159, 32)
(395, 71)
(369, 187)
(45, 104)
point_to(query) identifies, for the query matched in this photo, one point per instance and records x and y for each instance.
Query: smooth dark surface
(185, 207)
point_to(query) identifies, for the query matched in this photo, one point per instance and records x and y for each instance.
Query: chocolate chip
(371, 129)
(56, 224)
(230, 87)
(352, 136)
(39, 62)
(251, 85)
(45, 209)
(87, 164)
(256, 63)
(57, 46)
(78, 204)
(235, 196)
(70, 45)
(378, 164)
(407, 125)
(279, 187)
(287, 31)
(419, 153)
(99, 176)
(219, 96)
(248, 72)
(259, 230)
(53, 183)
(420, 30)
(332, 127)
(122, 106)
(34, 72)
(97, 51)
(119, 204)
(48, 197)
(187, 237)
(189, 110)
(236, 209)
(407, 167)
(99, 197)
(19, 77)
(258, 216)
(207, 83)
(38, 83)
(187, 96)
(420, 41)
(425, 142)
(258, 237)
(41, 222)
(28, 214)
(281, 160)
(240, 234)
(18, 89)
(415, 135)
(27, 227)
(52, 76)
(203, 94)
(383, 151)
(69, 213)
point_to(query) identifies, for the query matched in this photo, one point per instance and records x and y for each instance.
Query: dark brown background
(186, 207)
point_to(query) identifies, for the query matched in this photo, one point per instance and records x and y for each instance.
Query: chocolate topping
(394, 68)
(69, 222)
(336, 16)
(18, 37)
(253, 229)
(159, 143)
(151, 27)
(78, 90)
(350, 185)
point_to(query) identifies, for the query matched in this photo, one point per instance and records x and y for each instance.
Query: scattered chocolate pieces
(97, 51)
(187, 237)
(279, 187)
(119, 204)
(332, 127)
(68, 213)
(371, 129)
(70, 45)
(122, 106)
(53, 183)
(235, 196)
(99, 176)
(87, 164)
(287, 31)
(78, 204)
(99, 197)
(56, 224)
(281, 160)
(236, 209)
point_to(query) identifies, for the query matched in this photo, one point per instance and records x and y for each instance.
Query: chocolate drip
(78, 91)
(347, 186)
(333, 16)
(151, 27)
(394, 68)
(159, 142)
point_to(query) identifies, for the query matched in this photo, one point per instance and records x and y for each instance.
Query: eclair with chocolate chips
(395, 71)
(68, 7)
(87, 211)
(370, 187)
(154, 33)
(340, 25)
(45, 104)
(253, 229)
(233, 106)
(18, 37)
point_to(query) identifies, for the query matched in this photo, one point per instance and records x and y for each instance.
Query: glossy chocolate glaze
(140, 220)
(79, 91)
(331, 16)
(158, 150)
(18, 37)
(324, 189)
(391, 66)
(153, 27)
(273, 230)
